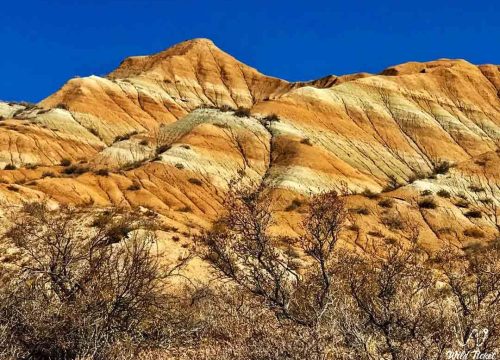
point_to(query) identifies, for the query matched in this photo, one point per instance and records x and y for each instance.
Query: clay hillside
(418, 142)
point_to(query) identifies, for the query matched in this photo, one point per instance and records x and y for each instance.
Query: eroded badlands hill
(159, 132)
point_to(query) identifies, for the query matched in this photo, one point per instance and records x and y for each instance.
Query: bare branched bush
(89, 286)
(397, 304)
(84, 284)
(241, 248)
(473, 288)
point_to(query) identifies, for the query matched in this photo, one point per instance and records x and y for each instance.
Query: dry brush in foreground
(92, 286)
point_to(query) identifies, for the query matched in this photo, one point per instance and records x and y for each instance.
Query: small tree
(240, 247)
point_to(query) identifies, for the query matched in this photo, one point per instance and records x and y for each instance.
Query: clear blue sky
(44, 43)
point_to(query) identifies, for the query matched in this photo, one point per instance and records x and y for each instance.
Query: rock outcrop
(161, 132)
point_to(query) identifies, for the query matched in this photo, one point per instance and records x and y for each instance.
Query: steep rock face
(159, 132)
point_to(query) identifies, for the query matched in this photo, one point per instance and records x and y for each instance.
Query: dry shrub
(393, 221)
(62, 106)
(48, 174)
(386, 203)
(125, 136)
(85, 284)
(195, 181)
(306, 141)
(427, 203)
(475, 214)
(12, 188)
(240, 248)
(226, 108)
(476, 188)
(443, 193)
(10, 167)
(376, 233)
(341, 304)
(294, 205)
(462, 203)
(370, 194)
(392, 184)
(162, 148)
(271, 118)
(242, 112)
(134, 186)
(100, 294)
(474, 233)
(442, 167)
(65, 162)
(75, 170)
(102, 172)
(362, 211)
